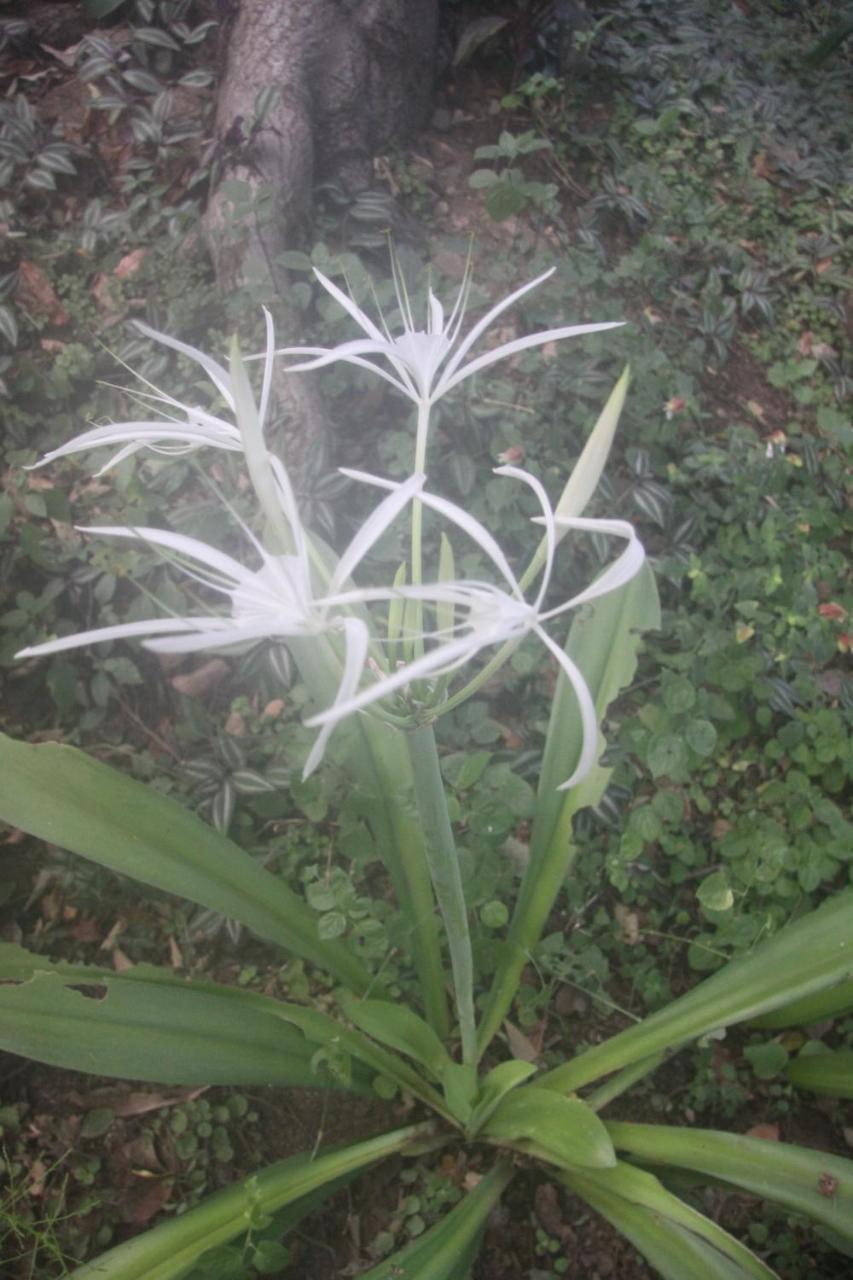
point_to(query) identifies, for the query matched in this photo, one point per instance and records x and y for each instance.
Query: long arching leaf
(809, 1182)
(804, 957)
(679, 1242)
(168, 1251)
(306, 1030)
(603, 643)
(448, 1249)
(62, 795)
(137, 1026)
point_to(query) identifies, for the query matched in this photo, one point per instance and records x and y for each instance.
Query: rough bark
(351, 76)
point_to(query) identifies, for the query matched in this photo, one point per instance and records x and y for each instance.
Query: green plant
(394, 652)
(507, 189)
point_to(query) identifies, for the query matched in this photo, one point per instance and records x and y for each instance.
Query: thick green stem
(447, 882)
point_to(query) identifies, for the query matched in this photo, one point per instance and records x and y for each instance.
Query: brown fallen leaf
(176, 960)
(37, 295)
(145, 1198)
(196, 683)
(130, 263)
(121, 962)
(768, 1132)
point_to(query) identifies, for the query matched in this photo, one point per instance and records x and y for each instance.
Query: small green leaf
(701, 737)
(766, 1060)
(571, 1133)
(715, 892)
(460, 1088)
(399, 1028)
(97, 1122)
(498, 1082)
(504, 200)
(667, 756)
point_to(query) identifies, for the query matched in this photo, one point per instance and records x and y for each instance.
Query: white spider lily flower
(488, 615)
(184, 429)
(427, 363)
(276, 600)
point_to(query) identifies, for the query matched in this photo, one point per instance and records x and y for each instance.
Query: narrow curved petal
(625, 567)
(448, 380)
(122, 631)
(475, 530)
(214, 633)
(547, 518)
(437, 662)
(201, 552)
(482, 325)
(268, 359)
(214, 370)
(330, 355)
(141, 434)
(355, 655)
(589, 719)
(373, 528)
(361, 318)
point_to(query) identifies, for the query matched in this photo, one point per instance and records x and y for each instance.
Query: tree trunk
(347, 77)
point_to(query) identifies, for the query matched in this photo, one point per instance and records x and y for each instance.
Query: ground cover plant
(723, 817)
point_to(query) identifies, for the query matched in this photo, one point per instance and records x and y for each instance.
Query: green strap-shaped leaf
(447, 1250)
(309, 1028)
(399, 1028)
(62, 795)
(603, 643)
(830, 1073)
(168, 1251)
(814, 952)
(679, 1242)
(527, 1120)
(144, 1024)
(830, 1003)
(809, 1182)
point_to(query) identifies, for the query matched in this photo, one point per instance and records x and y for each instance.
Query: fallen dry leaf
(176, 960)
(145, 1198)
(629, 924)
(768, 1132)
(519, 1045)
(121, 962)
(36, 294)
(130, 263)
(195, 684)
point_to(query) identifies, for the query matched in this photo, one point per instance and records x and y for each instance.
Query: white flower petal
(373, 528)
(482, 325)
(122, 631)
(217, 374)
(355, 655)
(448, 381)
(268, 359)
(547, 518)
(589, 719)
(183, 545)
(360, 317)
(437, 662)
